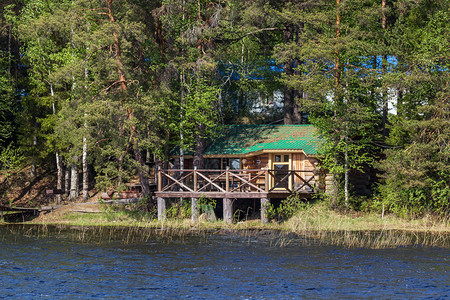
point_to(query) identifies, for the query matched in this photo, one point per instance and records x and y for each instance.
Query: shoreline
(127, 234)
(317, 224)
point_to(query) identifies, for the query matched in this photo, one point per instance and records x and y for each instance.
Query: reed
(318, 217)
(313, 224)
(323, 225)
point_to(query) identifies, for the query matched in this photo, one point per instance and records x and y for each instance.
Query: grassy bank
(316, 217)
(319, 217)
(314, 224)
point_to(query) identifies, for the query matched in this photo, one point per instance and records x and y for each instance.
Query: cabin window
(282, 158)
(212, 163)
(232, 163)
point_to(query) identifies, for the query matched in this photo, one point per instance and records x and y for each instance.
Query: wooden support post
(195, 178)
(227, 178)
(266, 181)
(227, 210)
(161, 209)
(194, 209)
(159, 179)
(265, 202)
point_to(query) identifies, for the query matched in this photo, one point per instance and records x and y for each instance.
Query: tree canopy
(111, 85)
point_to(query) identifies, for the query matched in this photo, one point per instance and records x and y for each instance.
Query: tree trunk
(346, 178)
(291, 109)
(59, 176)
(182, 81)
(142, 173)
(117, 52)
(74, 181)
(33, 160)
(85, 172)
(199, 149)
(383, 71)
(9, 54)
(67, 181)
(337, 65)
(337, 82)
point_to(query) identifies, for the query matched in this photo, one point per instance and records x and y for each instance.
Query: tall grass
(319, 217)
(368, 230)
(312, 224)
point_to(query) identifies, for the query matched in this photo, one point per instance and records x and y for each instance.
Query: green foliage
(179, 210)
(157, 74)
(206, 204)
(287, 208)
(10, 158)
(133, 213)
(416, 168)
(7, 104)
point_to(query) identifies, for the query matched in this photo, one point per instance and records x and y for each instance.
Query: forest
(101, 91)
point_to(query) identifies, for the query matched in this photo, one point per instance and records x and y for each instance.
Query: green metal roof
(243, 139)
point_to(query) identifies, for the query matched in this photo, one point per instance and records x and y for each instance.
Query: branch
(113, 84)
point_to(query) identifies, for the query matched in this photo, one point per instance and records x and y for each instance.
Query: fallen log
(54, 192)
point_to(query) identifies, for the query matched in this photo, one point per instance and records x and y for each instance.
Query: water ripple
(223, 267)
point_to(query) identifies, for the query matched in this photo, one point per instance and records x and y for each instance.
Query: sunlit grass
(319, 217)
(314, 224)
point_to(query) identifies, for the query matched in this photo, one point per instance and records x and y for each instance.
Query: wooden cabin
(249, 161)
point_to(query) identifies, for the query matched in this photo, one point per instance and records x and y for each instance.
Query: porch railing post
(159, 179)
(227, 179)
(266, 180)
(195, 178)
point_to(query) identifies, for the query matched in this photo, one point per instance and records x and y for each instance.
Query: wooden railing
(236, 181)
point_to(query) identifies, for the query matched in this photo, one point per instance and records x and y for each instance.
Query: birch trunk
(59, 176)
(181, 122)
(59, 171)
(84, 155)
(67, 181)
(74, 179)
(346, 178)
(181, 128)
(33, 161)
(85, 172)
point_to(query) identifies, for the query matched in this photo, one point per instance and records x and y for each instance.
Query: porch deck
(232, 184)
(244, 183)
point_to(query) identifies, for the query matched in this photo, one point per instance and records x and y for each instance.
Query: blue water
(214, 267)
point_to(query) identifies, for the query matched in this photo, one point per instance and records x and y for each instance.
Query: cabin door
(281, 165)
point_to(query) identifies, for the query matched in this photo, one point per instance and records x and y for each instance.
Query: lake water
(56, 266)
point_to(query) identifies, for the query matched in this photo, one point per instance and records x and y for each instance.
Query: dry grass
(315, 224)
(368, 230)
(319, 218)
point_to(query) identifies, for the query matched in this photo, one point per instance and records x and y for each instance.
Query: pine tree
(417, 173)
